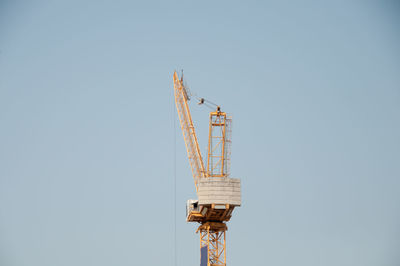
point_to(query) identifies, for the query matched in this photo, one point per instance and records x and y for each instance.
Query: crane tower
(217, 193)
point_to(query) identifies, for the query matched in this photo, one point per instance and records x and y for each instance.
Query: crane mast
(218, 194)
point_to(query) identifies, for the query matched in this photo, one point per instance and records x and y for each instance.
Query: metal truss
(213, 240)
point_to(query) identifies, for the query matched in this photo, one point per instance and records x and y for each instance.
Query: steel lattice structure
(218, 194)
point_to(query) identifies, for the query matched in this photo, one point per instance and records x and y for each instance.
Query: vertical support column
(216, 145)
(204, 234)
(213, 244)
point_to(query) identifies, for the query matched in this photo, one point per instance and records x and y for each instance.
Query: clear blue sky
(87, 130)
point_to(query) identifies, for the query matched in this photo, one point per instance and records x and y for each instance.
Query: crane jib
(188, 130)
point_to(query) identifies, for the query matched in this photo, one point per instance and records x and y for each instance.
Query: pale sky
(87, 130)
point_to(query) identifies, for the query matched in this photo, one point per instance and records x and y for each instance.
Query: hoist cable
(175, 238)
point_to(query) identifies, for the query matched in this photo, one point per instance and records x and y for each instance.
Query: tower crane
(217, 193)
